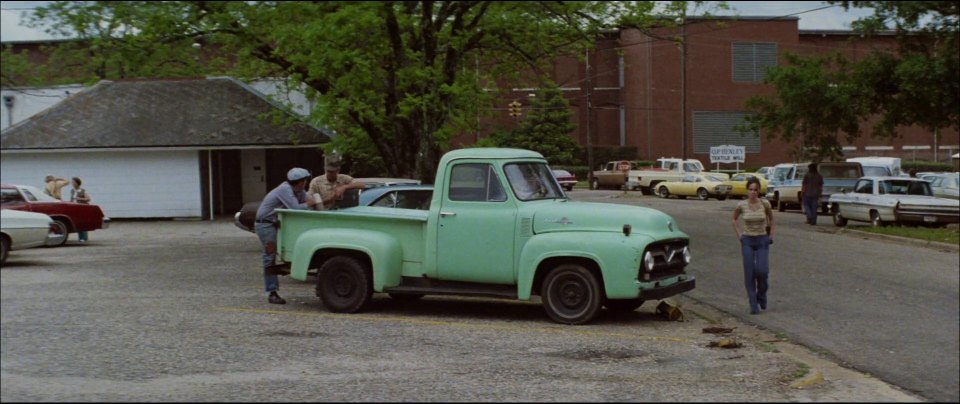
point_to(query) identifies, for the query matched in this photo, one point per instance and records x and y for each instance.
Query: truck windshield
(532, 181)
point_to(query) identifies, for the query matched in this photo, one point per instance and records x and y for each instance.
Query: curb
(811, 379)
(904, 240)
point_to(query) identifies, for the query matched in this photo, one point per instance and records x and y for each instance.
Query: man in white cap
(332, 185)
(289, 195)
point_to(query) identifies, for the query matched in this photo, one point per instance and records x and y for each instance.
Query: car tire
(663, 192)
(61, 228)
(571, 294)
(622, 305)
(703, 194)
(781, 206)
(569, 187)
(4, 249)
(838, 220)
(721, 197)
(344, 284)
(595, 184)
(875, 219)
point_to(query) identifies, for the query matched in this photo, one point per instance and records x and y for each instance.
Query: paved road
(883, 307)
(174, 311)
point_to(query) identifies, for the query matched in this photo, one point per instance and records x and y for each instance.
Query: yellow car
(738, 182)
(702, 186)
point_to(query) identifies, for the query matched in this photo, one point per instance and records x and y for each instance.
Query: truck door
(475, 238)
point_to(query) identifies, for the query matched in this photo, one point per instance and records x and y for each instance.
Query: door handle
(445, 214)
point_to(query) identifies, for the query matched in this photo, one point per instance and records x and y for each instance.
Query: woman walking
(755, 239)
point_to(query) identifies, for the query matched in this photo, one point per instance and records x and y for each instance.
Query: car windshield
(901, 187)
(711, 178)
(532, 181)
(875, 171)
(35, 194)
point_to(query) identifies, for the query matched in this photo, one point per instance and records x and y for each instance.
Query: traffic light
(515, 110)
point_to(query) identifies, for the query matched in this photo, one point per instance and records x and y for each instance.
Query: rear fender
(385, 253)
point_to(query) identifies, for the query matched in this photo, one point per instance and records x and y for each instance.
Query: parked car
(70, 217)
(738, 184)
(884, 200)
(565, 178)
(375, 182)
(702, 186)
(944, 185)
(394, 196)
(21, 230)
(764, 172)
(836, 175)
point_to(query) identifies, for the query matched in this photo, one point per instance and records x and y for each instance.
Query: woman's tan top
(754, 221)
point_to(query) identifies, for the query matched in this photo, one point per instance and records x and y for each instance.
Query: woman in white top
(755, 239)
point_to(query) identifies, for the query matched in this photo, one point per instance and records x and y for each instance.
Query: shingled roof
(191, 113)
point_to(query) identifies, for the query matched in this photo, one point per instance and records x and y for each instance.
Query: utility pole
(587, 87)
(683, 83)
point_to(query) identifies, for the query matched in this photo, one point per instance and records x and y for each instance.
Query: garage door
(135, 184)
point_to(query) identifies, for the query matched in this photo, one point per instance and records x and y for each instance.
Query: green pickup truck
(499, 225)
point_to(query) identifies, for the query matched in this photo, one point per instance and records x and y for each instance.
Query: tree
(400, 78)
(919, 84)
(546, 129)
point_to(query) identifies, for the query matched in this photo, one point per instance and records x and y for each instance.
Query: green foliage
(404, 77)
(818, 98)
(546, 129)
(924, 166)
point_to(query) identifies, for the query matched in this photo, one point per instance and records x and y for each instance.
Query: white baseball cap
(297, 173)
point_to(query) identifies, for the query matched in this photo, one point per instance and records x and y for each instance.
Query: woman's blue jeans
(756, 268)
(268, 235)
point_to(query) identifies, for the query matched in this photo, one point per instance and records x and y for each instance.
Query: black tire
(703, 194)
(61, 228)
(623, 305)
(875, 219)
(571, 294)
(595, 184)
(825, 209)
(569, 187)
(781, 206)
(4, 249)
(663, 192)
(406, 297)
(838, 220)
(344, 284)
(721, 197)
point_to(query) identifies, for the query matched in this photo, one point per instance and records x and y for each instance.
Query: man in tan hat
(331, 186)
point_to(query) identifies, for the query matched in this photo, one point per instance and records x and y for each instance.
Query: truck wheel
(781, 206)
(664, 192)
(571, 294)
(703, 194)
(838, 220)
(623, 305)
(344, 285)
(595, 184)
(875, 219)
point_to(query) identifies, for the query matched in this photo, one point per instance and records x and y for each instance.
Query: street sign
(728, 154)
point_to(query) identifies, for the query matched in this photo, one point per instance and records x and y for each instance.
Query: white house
(183, 148)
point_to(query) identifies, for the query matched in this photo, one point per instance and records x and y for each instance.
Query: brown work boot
(276, 299)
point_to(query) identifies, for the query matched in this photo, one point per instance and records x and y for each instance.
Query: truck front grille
(667, 257)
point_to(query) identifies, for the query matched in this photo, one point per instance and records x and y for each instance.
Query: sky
(831, 18)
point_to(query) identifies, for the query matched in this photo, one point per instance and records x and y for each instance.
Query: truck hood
(559, 215)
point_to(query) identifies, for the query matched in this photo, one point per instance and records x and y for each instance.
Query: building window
(750, 60)
(717, 128)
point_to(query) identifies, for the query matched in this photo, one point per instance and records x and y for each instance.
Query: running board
(420, 286)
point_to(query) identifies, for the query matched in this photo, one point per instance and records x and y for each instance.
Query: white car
(944, 185)
(883, 200)
(20, 230)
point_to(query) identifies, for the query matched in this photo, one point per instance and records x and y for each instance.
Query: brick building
(636, 91)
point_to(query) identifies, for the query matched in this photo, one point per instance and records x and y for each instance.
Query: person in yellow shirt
(331, 186)
(54, 184)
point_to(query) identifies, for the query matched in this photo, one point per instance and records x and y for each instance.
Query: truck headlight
(648, 261)
(686, 255)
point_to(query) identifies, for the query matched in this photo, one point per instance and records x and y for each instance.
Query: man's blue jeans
(810, 206)
(756, 268)
(268, 236)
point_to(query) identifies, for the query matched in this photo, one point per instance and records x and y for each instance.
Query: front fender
(384, 251)
(618, 257)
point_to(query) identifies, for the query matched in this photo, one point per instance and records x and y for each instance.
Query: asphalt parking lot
(174, 311)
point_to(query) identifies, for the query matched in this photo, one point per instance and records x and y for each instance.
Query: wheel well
(653, 184)
(66, 221)
(702, 189)
(544, 268)
(321, 256)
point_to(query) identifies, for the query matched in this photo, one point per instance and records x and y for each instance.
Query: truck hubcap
(571, 294)
(343, 285)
